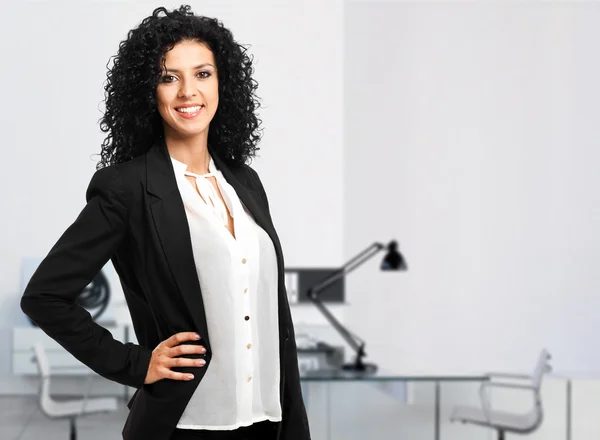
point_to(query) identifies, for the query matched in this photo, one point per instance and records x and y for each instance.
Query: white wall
(53, 96)
(471, 136)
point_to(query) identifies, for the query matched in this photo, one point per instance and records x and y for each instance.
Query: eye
(165, 78)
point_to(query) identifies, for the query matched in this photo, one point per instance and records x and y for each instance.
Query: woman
(186, 224)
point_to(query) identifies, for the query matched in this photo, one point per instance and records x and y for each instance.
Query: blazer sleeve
(295, 420)
(72, 263)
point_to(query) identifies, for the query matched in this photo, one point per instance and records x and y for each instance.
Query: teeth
(189, 109)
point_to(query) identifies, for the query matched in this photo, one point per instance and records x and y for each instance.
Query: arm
(79, 254)
(295, 421)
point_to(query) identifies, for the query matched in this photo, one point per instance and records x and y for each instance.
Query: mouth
(189, 112)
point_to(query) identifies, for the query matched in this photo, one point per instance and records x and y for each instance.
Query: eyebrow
(193, 68)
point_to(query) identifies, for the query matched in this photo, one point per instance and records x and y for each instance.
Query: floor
(21, 419)
(343, 412)
(328, 411)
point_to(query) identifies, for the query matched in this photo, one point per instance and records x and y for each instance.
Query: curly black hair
(132, 120)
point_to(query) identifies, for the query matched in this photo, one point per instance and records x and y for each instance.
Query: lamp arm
(352, 264)
(346, 268)
(378, 246)
(348, 337)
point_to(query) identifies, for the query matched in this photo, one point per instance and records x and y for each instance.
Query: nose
(187, 89)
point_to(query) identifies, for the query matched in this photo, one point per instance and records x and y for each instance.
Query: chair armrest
(485, 399)
(91, 374)
(508, 375)
(71, 367)
(80, 367)
(88, 381)
(516, 386)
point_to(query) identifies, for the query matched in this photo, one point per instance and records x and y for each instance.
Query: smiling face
(190, 81)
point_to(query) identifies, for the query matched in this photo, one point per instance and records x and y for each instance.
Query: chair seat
(54, 408)
(522, 423)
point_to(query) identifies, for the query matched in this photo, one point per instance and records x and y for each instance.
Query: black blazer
(135, 216)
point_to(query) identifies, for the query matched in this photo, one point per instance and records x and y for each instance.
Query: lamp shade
(393, 259)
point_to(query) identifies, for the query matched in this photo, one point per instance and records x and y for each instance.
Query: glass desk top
(382, 375)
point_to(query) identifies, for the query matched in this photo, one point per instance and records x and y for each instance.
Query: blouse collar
(180, 167)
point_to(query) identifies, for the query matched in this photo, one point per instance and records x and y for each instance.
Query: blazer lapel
(238, 179)
(173, 232)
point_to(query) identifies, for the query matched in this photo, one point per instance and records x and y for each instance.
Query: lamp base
(360, 367)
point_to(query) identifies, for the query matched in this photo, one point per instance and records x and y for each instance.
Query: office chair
(503, 421)
(67, 409)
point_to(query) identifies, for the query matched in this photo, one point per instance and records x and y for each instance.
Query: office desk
(569, 377)
(381, 377)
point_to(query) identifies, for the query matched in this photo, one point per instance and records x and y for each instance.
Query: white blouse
(238, 279)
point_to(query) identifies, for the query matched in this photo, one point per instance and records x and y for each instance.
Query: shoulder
(116, 180)
(107, 179)
(251, 173)
(256, 184)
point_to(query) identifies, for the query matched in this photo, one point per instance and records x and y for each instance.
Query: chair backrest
(41, 360)
(536, 415)
(542, 367)
(44, 371)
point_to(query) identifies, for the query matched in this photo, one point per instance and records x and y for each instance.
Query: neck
(191, 151)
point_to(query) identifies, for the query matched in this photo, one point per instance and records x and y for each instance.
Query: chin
(191, 133)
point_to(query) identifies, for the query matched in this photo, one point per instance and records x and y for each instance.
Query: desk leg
(569, 408)
(125, 387)
(328, 410)
(304, 387)
(437, 411)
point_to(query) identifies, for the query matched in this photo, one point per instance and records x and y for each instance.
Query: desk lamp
(393, 261)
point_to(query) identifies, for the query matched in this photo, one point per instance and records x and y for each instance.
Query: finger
(186, 349)
(186, 362)
(180, 376)
(178, 338)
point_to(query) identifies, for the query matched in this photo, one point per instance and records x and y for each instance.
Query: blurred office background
(468, 131)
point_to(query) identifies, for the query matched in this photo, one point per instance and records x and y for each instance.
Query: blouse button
(249, 378)
(249, 346)
(245, 290)
(243, 261)
(246, 318)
